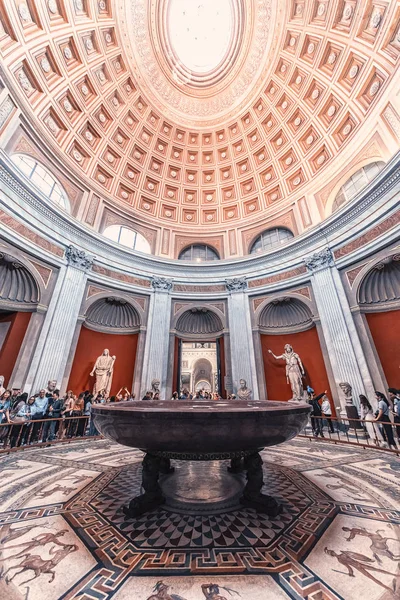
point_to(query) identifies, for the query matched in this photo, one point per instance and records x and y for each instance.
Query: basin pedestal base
(199, 488)
(252, 496)
(152, 496)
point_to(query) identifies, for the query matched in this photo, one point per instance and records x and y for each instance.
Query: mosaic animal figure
(40, 540)
(57, 488)
(40, 566)
(14, 534)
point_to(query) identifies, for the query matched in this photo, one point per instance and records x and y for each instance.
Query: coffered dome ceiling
(201, 116)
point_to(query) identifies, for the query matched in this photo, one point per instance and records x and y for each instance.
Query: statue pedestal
(352, 413)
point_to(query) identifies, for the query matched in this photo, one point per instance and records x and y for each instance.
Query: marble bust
(243, 392)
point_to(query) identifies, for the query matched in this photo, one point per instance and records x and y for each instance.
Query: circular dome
(199, 321)
(209, 147)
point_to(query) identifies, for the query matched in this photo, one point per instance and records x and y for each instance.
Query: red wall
(385, 331)
(12, 344)
(90, 345)
(306, 344)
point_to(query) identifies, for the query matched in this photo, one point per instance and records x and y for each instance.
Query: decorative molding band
(319, 260)
(278, 277)
(30, 235)
(120, 276)
(237, 284)
(199, 289)
(78, 258)
(161, 284)
(370, 235)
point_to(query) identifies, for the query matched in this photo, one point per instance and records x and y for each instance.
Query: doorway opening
(199, 366)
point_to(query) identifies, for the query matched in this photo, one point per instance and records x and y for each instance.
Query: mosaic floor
(63, 535)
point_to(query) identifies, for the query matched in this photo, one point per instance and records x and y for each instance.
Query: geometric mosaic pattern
(62, 530)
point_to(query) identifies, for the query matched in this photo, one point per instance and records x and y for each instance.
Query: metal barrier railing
(42, 432)
(356, 432)
(17, 435)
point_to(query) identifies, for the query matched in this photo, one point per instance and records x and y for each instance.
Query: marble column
(157, 349)
(344, 347)
(52, 350)
(137, 375)
(241, 336)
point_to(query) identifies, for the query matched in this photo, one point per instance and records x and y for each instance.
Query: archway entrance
(199, 366)
(199, 352)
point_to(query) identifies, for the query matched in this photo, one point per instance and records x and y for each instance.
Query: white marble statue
(243, 392)
(103, 371)
(294, 371)
(2, 388)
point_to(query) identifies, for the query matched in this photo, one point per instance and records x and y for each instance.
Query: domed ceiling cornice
(325, 72)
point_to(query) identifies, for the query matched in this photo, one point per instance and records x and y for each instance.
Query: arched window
(356, 183)
(270, 239)
(127, 237)
(42, 179)
(199, 253)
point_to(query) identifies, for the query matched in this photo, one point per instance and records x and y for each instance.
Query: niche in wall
(19, 296)
(14, 325)
(111, 323)
(306, 344)
(90, 345)
(289, 321)
(385, 331)
(379, 291)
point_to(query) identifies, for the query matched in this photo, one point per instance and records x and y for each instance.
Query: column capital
(161, 284)
(237, 284)
(78, 258)
(319, 260)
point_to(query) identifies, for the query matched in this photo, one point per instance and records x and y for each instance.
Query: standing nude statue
(294, 371)
(103, 371)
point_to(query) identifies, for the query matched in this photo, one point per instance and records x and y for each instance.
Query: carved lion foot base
(142, 504)
(262, 504)
(153, 496)
(252, 496)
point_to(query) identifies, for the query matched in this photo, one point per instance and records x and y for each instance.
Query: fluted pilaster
(241, 337)
(345, 351)
(51, 354)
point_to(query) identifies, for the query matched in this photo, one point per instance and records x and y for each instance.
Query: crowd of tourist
(201, 394)
(47, 415)
(378, 424)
